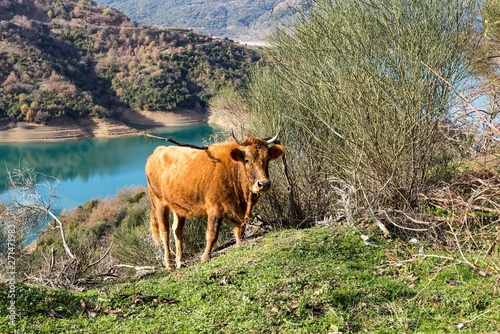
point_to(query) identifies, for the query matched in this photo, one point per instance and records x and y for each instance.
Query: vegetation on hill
(78, 59)
(244, 20)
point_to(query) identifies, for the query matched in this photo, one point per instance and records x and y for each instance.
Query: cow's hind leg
(155, 232)
(160, 227)
(213, 225)
(164, 233)
(177, 228)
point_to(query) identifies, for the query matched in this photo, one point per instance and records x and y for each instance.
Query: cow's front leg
(238, 232)
(213, 224)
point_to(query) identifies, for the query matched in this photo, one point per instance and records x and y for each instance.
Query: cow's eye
(247, 161)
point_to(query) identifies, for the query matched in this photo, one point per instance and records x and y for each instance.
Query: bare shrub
(73, 250)
(11, 80)
(467, 208)
(108, 210)
(352, 83)
(228, 109)
(22, 21)
(113, 210)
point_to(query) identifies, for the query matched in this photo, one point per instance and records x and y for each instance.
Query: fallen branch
(136, 268)
(417, 257)
(170, 140)
(413, 219)
(480, 315)
(140, 271)
(63, 235)
(430, 281)
(404, 227)
(99, 260)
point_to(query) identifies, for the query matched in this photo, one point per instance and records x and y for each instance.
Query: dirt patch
(161, 118)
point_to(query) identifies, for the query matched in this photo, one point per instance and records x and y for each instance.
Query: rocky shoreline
(68, 129)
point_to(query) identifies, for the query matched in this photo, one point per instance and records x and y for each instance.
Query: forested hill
(244, 20)
(79, 59)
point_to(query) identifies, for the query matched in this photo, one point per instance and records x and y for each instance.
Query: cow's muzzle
(261, 186)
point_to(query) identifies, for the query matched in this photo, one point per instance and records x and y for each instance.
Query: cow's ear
(276, 151)
(237, 154)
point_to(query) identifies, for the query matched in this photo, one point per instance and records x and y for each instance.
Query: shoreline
(130, 123)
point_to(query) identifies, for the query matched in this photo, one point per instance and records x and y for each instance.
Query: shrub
(228, 109)
(85, 241)
(134, 246)
(353, 85)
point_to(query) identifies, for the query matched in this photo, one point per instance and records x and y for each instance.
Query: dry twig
(170, 140)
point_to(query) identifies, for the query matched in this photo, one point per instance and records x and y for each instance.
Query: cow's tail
(155, 229)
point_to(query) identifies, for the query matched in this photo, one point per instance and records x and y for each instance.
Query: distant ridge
(243, 20)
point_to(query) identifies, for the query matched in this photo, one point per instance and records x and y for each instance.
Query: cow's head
(255, 153)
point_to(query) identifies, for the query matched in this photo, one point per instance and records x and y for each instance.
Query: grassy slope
(308, 281)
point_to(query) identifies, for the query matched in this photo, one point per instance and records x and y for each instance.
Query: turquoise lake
(92, 168)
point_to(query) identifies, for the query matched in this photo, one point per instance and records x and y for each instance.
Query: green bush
(85, 241)
(134, 246)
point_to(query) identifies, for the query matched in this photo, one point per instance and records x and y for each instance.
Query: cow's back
(185, 179)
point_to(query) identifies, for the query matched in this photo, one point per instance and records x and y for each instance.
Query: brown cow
(223, 181)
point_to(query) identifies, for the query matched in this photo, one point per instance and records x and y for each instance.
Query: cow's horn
(272, 140)
(234, 137)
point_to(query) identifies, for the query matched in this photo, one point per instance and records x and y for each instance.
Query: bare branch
(140, 270)
(99, 260)
(24, 183)
(136, 268)
(403, 227)
(413, 219)
(174, 141)
(430, 281)
(466, 100)
(63, 235)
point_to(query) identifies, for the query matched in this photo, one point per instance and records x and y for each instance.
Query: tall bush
(353, 84)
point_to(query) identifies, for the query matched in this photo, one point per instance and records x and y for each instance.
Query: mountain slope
(75, 58)
(244, 20)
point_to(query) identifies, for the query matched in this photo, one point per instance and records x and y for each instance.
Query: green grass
(317, 280)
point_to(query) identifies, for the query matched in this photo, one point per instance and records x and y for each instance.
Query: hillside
(78, 59)
(240, 20)
(320, 280)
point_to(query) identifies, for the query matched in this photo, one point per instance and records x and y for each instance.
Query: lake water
(92, 168)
